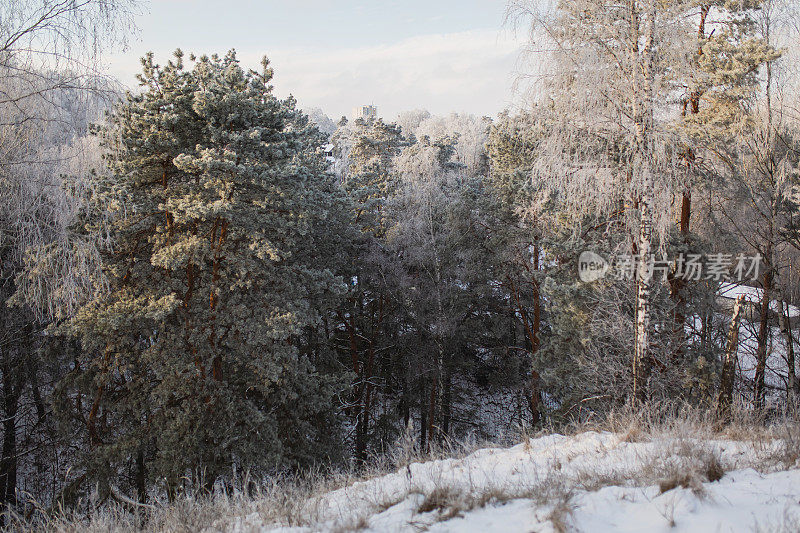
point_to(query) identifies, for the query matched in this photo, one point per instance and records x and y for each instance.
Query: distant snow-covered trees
(325, 124)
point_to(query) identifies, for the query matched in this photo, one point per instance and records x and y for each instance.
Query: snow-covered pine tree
(190, 361)
(718, 87)
(512, 149)
(366, 150)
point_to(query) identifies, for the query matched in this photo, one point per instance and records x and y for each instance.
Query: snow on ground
(777, 367)
(743, 500)
(754, 295)
(595, 482)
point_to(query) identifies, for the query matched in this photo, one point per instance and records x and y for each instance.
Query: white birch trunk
(643, 80)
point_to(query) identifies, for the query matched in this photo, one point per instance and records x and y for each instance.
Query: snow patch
(597, 482)
(754, 295)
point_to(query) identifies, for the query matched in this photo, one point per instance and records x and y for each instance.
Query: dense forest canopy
(199, 279)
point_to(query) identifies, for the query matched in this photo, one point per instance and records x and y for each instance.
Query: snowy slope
(594, 482)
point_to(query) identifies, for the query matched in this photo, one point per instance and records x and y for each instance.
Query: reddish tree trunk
(678, 285)
(759, 391)
(793, 388)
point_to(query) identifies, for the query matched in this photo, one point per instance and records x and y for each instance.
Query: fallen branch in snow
(122, 498)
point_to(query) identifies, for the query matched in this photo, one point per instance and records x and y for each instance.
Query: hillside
(593, 481)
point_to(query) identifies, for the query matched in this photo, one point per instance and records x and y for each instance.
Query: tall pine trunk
(793, 386)
(759, 391)
(677, 284)
(531, 326)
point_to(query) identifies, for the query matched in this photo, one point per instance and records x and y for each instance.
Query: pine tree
(365, 152)
(191, 358)
(719, 85)
(512, 150)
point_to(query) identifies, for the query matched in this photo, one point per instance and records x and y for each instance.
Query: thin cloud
(470, 71)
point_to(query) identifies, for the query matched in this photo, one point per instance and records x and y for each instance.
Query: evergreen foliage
(190, 361)
(197, 292)
(366, 151)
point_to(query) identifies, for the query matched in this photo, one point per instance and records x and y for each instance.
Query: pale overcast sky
(441, 55)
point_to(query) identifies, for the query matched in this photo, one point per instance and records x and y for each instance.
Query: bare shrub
(686, 463)
(559, 516)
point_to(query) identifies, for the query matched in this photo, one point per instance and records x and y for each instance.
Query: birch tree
(50, 80)
(607, 87)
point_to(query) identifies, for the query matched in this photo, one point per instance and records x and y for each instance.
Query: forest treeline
(200, 281)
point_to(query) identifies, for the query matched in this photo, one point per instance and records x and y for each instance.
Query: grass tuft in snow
(667, 449)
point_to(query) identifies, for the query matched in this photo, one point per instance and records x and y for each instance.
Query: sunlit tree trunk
(725, 398)
(643, 122)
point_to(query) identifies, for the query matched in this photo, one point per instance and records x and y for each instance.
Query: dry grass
(683, 455)
(560, 514)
